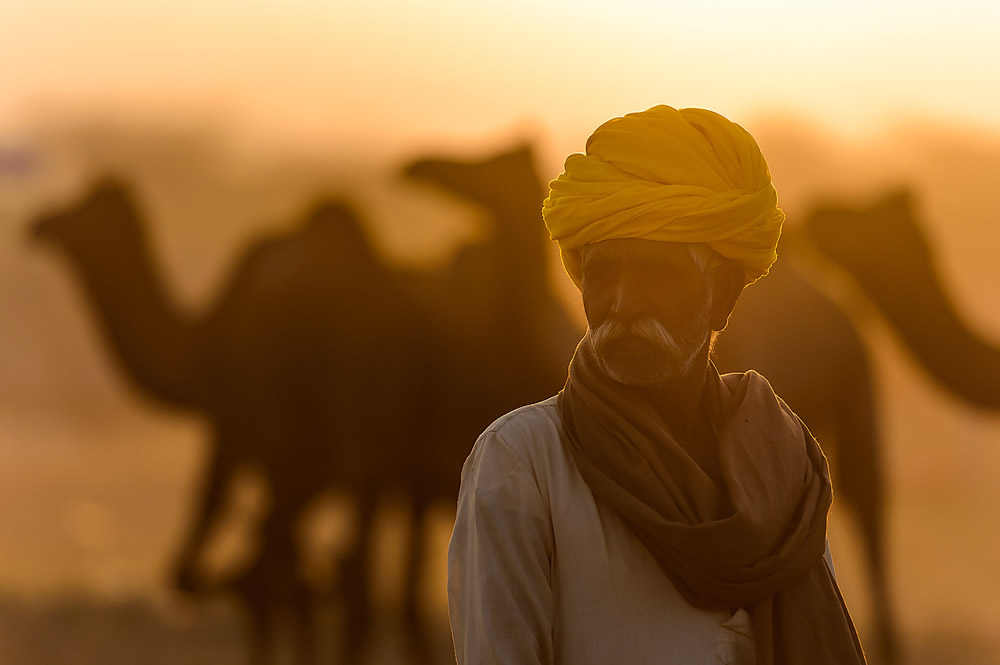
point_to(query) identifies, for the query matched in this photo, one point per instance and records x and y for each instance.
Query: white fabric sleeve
(500, 600)
(829, 560)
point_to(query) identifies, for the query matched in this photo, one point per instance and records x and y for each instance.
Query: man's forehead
(637, 249)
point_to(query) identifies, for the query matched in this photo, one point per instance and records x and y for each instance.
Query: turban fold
(671, 175)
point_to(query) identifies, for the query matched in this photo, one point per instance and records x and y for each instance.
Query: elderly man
(653, 511)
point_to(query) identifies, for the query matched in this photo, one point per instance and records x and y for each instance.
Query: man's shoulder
(525, 438)
(527, 423)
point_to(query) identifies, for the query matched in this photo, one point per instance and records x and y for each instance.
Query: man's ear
(728, 280)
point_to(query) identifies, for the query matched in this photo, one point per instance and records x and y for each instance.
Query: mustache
(645, 328)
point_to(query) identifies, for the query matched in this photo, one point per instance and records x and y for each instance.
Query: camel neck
(925, 317)
(151, 340)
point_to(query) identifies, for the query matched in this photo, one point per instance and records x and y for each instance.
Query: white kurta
(540, 572)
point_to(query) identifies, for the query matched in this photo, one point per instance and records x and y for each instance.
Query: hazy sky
(392, 70)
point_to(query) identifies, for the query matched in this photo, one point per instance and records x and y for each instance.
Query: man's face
(648, 307)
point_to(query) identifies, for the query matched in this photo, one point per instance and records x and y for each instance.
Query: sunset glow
(390, 71)
(265, 145)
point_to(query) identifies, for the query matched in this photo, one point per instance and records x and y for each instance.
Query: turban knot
(671, 175)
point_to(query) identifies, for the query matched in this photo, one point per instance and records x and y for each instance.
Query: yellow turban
(675, 176)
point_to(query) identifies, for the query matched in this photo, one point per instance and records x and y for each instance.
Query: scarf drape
(756, 543)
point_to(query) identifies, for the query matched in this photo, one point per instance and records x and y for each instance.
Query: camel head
(104, 215)
(506, 183)
(868, 241)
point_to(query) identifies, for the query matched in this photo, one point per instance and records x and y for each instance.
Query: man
(653, 511)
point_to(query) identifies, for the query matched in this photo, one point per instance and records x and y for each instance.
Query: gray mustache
(644, 328)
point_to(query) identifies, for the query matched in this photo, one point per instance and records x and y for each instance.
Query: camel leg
(207, 507)
(260, 633)
(298, 603)
(416, 633)
(250, 593)
(303, 628)
(276, 616)
(354, 583)
(860, 483)
(287, 592)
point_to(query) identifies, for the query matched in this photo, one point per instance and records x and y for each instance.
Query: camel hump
(337, 222)
(337, 234)
(328, 249)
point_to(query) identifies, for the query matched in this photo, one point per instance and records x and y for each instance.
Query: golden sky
(390, 71)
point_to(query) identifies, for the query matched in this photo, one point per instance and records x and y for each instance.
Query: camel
(884, 249)
(289, 366)
(307, 327)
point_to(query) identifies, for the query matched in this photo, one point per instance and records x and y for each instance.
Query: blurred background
(233, 130)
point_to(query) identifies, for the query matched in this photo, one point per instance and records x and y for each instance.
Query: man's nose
(629, 300)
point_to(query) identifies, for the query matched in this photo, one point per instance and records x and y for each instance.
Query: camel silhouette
(884, 249)
(290, 366)
(319, 366)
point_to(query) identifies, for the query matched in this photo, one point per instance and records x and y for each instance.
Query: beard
(643, 352)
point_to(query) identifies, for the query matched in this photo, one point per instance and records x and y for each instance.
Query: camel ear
(900, 198)
(332, 210)
(110, 185)
(525, 148)
(518, 153)
(112, 192)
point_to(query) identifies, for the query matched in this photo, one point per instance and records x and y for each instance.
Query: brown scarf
(757, 543)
